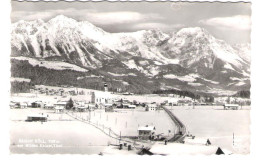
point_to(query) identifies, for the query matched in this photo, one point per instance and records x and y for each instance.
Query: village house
(146, 132)
(91, 107)
(173, 102)
(151, 107)
(37, 117)
(117, 103)
(81, 108)
(60, 106)
(23, 105)
(184, 102)
(231, 106)
(37, 104)
(48, 106)
(132, 106)
(14, 105)
(125, 105)
(109, 108)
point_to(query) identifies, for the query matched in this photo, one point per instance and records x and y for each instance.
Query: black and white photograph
(163, 78)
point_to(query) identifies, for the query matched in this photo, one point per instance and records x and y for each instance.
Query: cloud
(28, 16)
(93, 16)
(154, 25)
(178, 5)
(238, 22)
(105, 18)
(45, 15)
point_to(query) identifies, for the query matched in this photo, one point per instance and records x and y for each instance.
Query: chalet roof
(231, 105)
(23, 104)
(146, 128)
(82, 107)
(37, 115)
(61, 103)
(151, 105)
(173, 100)
(59, 108)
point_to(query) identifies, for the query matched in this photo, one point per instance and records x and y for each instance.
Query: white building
(23, 105)
(60, 106)
(151, 107)
(146, 132)
(99, 97)
(173, 102)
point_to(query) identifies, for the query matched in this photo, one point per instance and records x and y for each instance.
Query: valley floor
(64, 135)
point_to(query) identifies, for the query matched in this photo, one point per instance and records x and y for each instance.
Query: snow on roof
(49, 105)
(231, 105)
(151, 105)
(37, 115)
(61, 103)
(82, 107)
(146, 128)
(173, 100)
(59, 108)
(23, 104)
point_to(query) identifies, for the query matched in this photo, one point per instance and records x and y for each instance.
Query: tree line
(181, 93)
(243, 94)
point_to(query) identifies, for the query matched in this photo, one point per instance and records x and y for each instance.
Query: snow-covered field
(127, 121)
(203, 122)
(57, 65)
(218, 125)
(64, 137)
(76, 137)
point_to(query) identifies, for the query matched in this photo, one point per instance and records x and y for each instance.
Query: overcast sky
(227, 21)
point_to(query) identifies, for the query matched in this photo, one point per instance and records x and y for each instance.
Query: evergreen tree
(69, 104)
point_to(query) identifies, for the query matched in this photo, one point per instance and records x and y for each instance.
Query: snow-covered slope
(57, 65)
(82, 42)
(244, 51)
(190, 45)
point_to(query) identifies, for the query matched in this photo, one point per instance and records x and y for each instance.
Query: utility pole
(233, 138)
(120, 138)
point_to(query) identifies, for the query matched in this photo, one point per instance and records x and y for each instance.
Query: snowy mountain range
(188, 58)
